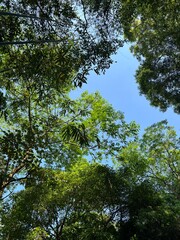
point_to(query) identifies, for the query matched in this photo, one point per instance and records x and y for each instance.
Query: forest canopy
(136, 198)
(84, 34)
(153, 27)
(75, 168)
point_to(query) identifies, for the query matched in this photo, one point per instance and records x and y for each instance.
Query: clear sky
(118, 86)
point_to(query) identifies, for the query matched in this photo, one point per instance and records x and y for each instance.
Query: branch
(2, 13)
(61, 227)
(29, 42)
(10, 179)
(84, 13)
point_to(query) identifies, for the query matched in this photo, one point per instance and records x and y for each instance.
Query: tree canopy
(154, 26)
(57, 131)
(139, 199)
(74, 168)
(74, 36)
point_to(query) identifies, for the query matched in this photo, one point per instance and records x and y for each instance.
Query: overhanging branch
(2, 13)
(29, 41)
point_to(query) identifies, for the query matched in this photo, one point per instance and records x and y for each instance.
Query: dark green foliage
(152, 215)
(78, 29)
(154, 27)
(51, 146)
(90, 201)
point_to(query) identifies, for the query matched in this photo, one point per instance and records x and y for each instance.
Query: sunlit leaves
(68, 203)
(156, 156)
(58, 131)
(91, 200)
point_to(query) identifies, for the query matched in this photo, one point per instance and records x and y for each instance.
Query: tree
(83, 30)
(153, 203)
(90, 200)
(57, 131)
(155, 157)
(40, 123)
(154, 27)
(152, 214)
(47, 47)
(67, 204)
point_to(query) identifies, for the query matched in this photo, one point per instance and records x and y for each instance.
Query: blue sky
(118, 86)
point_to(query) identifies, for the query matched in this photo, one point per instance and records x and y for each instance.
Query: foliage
(153, 164)
(154, 27)
(153, 215)
(47, 48)
(91, 201)
(57, 131)
(77, 35)
(54, 147)
(155, 157)
(67, 204)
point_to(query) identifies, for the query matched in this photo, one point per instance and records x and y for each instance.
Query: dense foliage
(47, 48)
(136, 198)
(54, 181)
(71, 37)
(94, 201)
(154, 27)
(57, 131)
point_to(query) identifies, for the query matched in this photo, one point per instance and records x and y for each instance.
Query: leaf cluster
(153, 26)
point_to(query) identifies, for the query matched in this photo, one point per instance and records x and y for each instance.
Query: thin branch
(5, 70)
(84, 13)
(2, 13)
(10, 179)
(29, 42)
(61, 227)
(19, 179)
(11, 192)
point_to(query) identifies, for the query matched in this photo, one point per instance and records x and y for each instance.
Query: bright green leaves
(155, 156)
(81, 202)
(59, 131)
(47, 48)
(37, 233)
(91, 200)
(136, 200)
(50, 144)
(160, 145)
(105, 127)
